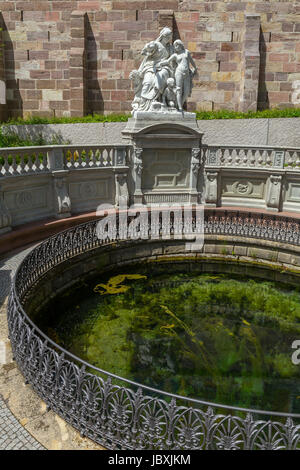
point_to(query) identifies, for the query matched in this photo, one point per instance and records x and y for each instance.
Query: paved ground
(25, 423)
(12, 434)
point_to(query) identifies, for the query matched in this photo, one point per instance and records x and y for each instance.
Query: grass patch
(267, 114)
(13, 140)
(70, 120)
(201, 115)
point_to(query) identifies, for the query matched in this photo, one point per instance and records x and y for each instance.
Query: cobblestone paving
(12, 435)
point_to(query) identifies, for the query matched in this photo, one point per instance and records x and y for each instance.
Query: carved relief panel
(166, 169)
(243, 187)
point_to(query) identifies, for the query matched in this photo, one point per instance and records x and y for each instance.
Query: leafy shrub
(201, 115)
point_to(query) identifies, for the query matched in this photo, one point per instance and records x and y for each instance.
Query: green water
(215, 337)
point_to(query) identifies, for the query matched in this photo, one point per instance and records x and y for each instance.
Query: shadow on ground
(5, 282)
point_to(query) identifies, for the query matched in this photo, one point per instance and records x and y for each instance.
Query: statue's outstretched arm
(172, 58)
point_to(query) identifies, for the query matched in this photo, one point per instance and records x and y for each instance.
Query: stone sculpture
(63, 198)
(163, 81)
(169, 96)
(181, 61)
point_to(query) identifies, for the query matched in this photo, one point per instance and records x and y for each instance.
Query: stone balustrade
(32, 160)
(253, 157)
(59, 180)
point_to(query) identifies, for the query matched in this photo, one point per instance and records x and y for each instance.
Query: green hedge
(205, 115)
(70, 120)
(267, 113)
(13, 140)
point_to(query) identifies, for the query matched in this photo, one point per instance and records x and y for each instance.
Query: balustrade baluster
(252, 157)
(290, 158)
(14, 165)
(87, 158)
(29, 163)
(260, 159)
(104, 157)
(37, 162)
(6, 164)
(22, 164)
(44, 165)
(80, 158)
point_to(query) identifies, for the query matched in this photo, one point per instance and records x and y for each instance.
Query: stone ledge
(36, 231)
(281, 132)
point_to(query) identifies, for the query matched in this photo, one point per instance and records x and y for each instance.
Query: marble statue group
(163, 81)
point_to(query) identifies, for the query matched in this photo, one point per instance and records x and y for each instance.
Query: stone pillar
(5, 217)
(120, 156)
(3, 109)
(251, 63)
(78, 64)
(122, 194)
(137, 175)
(55, 159)
(195, 166)
(61, 194)
(211, 188)
(274, 192)
(62, 200)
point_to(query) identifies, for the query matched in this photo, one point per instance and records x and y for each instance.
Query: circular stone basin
(212, 336)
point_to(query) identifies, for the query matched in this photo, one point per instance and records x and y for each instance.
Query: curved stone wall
(134, 416)
(59, 181)
(240, 255)
(277, 132)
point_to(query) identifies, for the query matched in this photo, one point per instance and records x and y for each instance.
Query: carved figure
(153, 82)
(63, 198)
(169, 95)
(150, 79)
(181, 60)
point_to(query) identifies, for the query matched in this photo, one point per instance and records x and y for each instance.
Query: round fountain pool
(213, 335)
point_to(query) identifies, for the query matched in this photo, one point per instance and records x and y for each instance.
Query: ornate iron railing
(119, 413)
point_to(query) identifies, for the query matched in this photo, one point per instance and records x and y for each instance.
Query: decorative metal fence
(119, 413)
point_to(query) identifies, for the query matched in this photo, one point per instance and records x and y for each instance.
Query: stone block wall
(2, 80)
(72, 57)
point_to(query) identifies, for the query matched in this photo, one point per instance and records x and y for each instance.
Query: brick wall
(74, 57)
(2, 81)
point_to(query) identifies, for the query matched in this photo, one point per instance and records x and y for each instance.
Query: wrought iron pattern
(121, 414)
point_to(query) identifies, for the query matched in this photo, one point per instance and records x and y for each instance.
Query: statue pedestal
(142, 119)
(166, 160)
